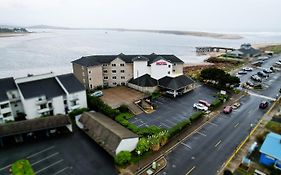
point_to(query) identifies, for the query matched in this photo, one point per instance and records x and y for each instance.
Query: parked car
(236, 105)
(248, 69)
(278, 63)
(258, 63)
(249, 83)
(256, 78)
(263, 105)
(97, 94)
(204, 102)
(200, 106)
(267, 71)
(262, 74)
(242, 72)
(227, 109)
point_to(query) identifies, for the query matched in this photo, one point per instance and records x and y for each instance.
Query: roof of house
(48, 87)
(106, 132)
(249, 51)
(31, 125)
(272, 145)
(175, 83)
(105, 59)
(6, 84)
(144, 81)
(70, 83)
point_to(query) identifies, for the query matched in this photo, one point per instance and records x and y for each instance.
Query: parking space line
(236, 125)
(173, 123)
(41, 160)
(60, 171)
(190, 170)
(212, 123)
(217, 143)
(44, 150)
(201, 133)
(165, 125)
(53, 164)
(186, 145)
(5, 167)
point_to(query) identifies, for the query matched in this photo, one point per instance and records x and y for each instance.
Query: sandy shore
(263, 45)
(11, 34)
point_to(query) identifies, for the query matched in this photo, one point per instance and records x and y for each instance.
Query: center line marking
(53, 164)
(186, 145)
(201, 133)
(190, 170)
(217, 143)
(236, 125)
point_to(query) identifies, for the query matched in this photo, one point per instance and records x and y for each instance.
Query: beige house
(113, 70)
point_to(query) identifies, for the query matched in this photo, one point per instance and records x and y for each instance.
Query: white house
(40, 95)
(110, 135)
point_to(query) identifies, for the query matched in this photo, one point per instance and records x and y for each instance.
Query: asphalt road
(204, 152)
(171, 111)
(66, 155)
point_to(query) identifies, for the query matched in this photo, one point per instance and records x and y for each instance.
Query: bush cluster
(76, 112)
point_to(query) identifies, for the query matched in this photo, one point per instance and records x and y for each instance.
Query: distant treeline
(14, 30)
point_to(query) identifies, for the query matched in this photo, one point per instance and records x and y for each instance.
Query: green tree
(123, 158)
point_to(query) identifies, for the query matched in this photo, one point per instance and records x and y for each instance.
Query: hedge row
(76, 112)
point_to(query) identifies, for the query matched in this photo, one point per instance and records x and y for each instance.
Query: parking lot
(117, 96)
(66, 155)
(171, 111)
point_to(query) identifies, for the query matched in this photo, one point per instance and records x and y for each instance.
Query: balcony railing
(44, 110)
(40, 102)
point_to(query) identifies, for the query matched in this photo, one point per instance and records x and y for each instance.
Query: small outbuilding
(271, 150)
(109, 134)
(144, 83)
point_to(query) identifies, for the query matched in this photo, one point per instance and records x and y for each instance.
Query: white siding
(161, 68)
(141, 68)
(127, 145)
(58, 105)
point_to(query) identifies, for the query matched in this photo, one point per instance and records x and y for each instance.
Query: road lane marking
(186, 145)
(201, 133)
(41, 160)
(62, 170)
(217, 143)
(53, 164)
(44, 150)
(235, 126)
(213, 124)
(190, 170)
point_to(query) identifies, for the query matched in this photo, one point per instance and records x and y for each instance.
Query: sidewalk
(176, 139)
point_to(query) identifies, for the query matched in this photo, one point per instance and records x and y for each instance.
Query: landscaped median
(22, 167)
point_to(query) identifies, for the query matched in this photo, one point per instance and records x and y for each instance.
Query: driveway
(171, 111)
(66, 155)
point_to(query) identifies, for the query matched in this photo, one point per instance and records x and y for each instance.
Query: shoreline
(4, 35)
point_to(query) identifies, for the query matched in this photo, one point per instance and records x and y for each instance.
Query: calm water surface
(53, 50)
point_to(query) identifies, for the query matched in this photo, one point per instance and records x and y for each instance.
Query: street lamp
(138, 152)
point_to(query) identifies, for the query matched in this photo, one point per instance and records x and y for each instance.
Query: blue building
(271, 151)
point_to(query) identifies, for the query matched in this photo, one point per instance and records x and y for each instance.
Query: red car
(227, 109)
(204, 102)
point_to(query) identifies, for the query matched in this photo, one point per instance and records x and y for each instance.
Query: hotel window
(43, 106)
(114, 77)
(122, 71)
(169, 66)
(105, 71)
(5, 105)
(122, 77)
(123, 84)
(105, 78)
(122, 64)
(114, 83)
(174, 70)
(168, 72)
(113, 65)
(89, 71)
(91, 86)
(114, 71)
(7, 114)
(104, 65)
(175, 64)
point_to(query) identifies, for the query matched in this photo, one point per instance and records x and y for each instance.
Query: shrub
(216, 103)
(76, 112)
(148, 131)
(22, 167)
(143, 146)
(274, 126)
(123, 158)
(123, 108)
(196, 116)
(176, 129)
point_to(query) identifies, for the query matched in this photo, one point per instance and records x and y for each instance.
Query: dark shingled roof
(37, 124)
(105, 59)
(144, 81)
(70, 83)
(6, 84)
(106, 132)
(175, 83)
(49, 87)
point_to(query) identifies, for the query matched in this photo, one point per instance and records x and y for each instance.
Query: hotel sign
(161, 63)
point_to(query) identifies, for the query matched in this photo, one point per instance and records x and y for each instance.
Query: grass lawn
(22, 167)
(274, 126)
(275, 48)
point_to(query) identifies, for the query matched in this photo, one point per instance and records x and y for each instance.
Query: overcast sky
(204, 15)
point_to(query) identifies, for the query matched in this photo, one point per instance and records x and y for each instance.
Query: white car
(278, 63)
(97, 94)
(248, 69)
(200, 106)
